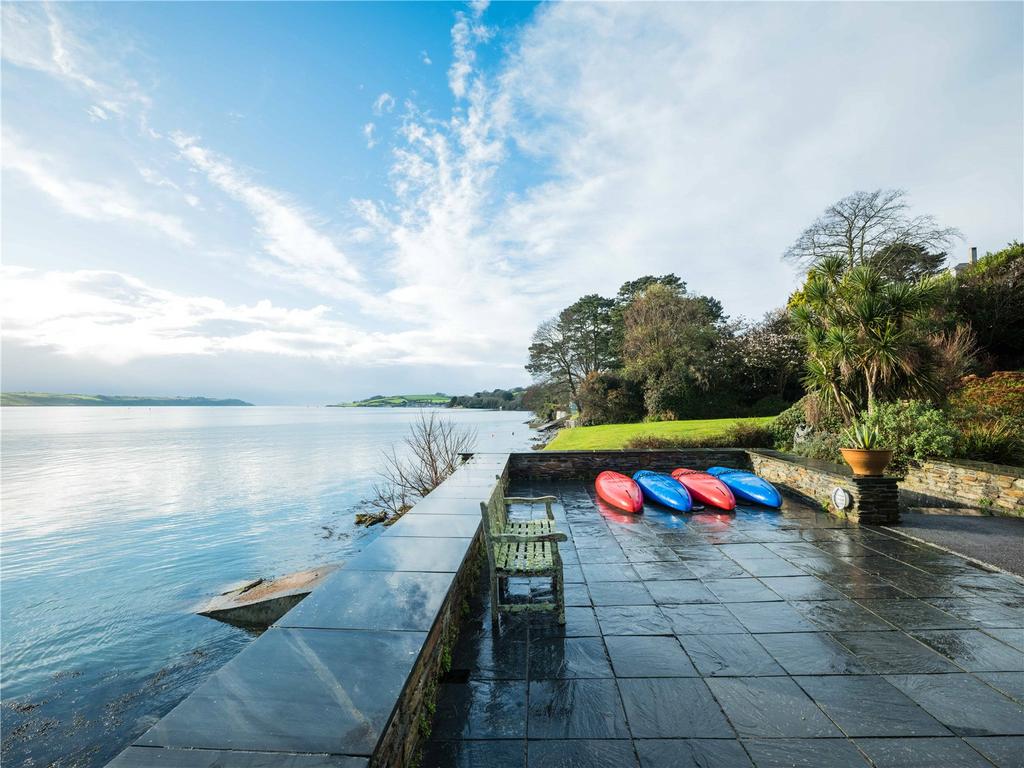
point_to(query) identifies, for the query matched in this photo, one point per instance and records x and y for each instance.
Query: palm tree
(864, 334)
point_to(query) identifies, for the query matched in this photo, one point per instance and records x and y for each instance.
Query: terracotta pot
(864, 462)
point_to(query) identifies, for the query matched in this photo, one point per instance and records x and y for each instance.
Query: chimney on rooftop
(974, 254)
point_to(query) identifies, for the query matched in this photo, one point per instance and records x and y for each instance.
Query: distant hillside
(46, 398)
(498, 399)
(437, 399)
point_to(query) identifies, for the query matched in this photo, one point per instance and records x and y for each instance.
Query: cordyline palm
(862, 334)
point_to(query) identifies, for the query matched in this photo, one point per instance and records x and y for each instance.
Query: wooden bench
(522, 548)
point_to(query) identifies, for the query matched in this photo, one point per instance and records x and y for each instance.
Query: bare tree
(432, 451)
(864, 225)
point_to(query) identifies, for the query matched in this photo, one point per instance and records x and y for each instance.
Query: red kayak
(619, 491)
(705, 488)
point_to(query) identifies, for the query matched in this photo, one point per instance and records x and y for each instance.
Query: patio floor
(762, 638)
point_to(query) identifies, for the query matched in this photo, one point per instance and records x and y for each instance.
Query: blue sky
(298, 203)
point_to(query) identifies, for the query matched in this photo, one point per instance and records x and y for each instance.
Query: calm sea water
(117, 522)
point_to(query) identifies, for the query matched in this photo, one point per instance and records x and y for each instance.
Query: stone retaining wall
(874, 500)
(408, 727)
(971, 485)
(587, 464)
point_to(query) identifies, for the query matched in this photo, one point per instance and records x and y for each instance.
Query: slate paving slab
(770, 707)
(804, 753)
(811, 653)
(633, 620)
(869, 706)
(699, 619)
(894, 653)
(570, 657)
(922, 753)
(576, 709)
(801, 588)
(692, 753)
(620, 593)
(487, 657)
(650, 656)
(973, 650)
(840, 615)
(1003, 751)
(293, 691)
(964, 704)
(914, 614)
(582, 753)
(350, 600)
(579, 622)
(480, 710)
(729, 656)
(678, 592)
(471, 754)
(741, 591)
(1009, 683)
(439, 555)
(672, 708)
(770, 617)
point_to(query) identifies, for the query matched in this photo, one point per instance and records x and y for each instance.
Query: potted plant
(864, 454)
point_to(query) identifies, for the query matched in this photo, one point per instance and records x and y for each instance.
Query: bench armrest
(512, 538)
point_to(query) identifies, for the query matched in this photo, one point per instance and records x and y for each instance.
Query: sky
(305, 203)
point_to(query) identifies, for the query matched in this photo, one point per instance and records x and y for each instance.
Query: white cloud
(467, 33)
(86, 199)
(384, 103)
(368, 130)
(97, 114)
(36, 36)
(425, 57)
(302, 253)
(117, 318)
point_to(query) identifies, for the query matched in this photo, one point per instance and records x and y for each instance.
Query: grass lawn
(613, 436)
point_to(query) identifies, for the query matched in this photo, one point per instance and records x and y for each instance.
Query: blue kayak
(663, 489)
(747, 486)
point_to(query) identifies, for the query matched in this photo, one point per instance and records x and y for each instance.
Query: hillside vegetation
(397, 401)
(48, 398)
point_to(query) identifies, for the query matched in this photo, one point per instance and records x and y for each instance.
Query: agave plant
(862, 434)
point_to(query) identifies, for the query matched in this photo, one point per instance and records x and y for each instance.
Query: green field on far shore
(397, 401)
(615, 436)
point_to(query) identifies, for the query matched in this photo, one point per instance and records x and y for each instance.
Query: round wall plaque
(841, 498)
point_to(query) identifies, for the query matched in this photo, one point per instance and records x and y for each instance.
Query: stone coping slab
(325, 685)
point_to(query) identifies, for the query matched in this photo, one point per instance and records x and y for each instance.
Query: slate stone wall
(875, 500)
(972, 485)
(587, 464)
(408, 728)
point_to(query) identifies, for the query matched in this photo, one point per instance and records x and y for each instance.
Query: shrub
(610, 398)
(654, 442)
(996, 440)
(997, 396)
(914, 430)
(784, 426)
(823, 446)
(748, 434)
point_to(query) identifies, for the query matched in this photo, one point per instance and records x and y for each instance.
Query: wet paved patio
(762, 638)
